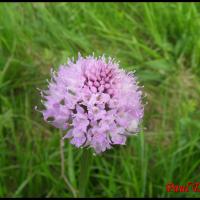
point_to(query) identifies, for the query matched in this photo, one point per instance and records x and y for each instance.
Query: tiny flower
(95, 102)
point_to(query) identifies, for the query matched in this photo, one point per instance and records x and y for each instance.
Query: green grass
(161, 41)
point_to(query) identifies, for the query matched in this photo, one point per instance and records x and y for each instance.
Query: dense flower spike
(98, 103)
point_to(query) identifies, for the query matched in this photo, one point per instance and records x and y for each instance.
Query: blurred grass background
(161, 41)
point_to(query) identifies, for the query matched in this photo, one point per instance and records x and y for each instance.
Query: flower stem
(85, 166)
(63, 169)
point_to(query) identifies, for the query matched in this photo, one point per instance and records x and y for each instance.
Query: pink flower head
(98, 103)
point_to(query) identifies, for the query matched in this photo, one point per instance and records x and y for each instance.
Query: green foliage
(159, 40)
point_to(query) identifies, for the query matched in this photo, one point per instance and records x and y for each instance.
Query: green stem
(85, 166)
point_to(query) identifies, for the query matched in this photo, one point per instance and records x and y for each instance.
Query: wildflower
(94, 101)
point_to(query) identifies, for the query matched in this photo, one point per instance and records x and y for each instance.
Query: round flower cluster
(95, 101)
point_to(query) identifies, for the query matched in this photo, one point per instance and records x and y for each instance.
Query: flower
(94, 101)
